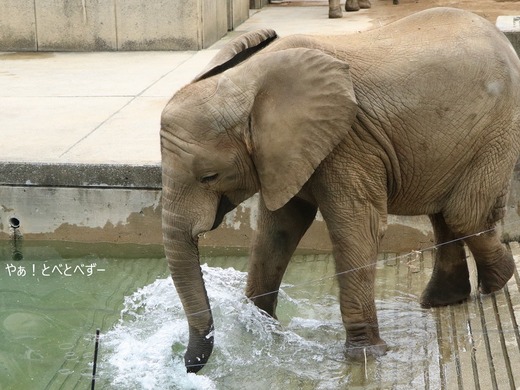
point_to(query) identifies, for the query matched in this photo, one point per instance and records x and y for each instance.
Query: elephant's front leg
(274, 242)
(355, 234)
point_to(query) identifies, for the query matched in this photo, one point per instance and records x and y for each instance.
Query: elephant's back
(443, 32)
(442, 77)
(436, 61)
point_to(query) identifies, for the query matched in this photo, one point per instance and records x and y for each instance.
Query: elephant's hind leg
(352, 5)
(449, 282)
(356, 5)
(495, 265)
(335, 10)
(275, 240)
(476, 204)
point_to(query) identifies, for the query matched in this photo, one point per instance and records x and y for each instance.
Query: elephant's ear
(236, 51)
(304, 107)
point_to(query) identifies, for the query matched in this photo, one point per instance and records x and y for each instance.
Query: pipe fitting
(14, 223)
(16, 238)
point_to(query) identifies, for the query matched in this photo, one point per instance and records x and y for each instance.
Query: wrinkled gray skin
(418, 117)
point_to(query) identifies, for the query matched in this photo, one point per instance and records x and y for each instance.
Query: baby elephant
(421, 116)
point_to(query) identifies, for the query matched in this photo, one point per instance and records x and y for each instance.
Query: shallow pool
(53, 300)
(47, 326)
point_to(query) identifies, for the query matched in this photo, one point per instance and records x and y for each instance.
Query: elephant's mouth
(224, 207)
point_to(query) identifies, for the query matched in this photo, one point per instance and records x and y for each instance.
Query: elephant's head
(245, 125)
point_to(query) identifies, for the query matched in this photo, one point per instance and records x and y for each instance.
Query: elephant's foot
(447, 288)
(363, 340)
(265, 302)
(199, 349)
(493, 276)
(396, 2)
(364, 4)
(335, 13)
(352, 5)
(358, 351)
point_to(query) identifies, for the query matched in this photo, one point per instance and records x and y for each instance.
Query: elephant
(418, 117)
(350, 6)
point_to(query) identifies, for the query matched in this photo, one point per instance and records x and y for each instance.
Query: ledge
(80, 175)
(510, 26)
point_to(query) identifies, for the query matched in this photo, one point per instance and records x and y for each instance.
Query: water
(303, 350)
(52, 302)
(47, 325)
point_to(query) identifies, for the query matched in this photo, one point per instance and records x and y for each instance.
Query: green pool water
(53, 300)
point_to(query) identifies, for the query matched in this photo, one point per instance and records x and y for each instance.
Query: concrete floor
(76, 124)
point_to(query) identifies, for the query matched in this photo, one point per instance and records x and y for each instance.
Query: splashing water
(140, 346)
(304, 350)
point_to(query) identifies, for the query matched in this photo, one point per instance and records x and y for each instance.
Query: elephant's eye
(209, 178)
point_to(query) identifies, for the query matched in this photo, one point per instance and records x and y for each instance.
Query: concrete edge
(39, 174)
(510, 27)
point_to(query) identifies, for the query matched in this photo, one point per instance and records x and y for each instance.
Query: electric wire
(326, 277)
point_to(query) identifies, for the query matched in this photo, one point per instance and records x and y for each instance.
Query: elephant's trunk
(183, 260)
(181, 249)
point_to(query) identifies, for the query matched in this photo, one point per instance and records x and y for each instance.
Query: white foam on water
(252, 350)
(139, 353)
(139, 348)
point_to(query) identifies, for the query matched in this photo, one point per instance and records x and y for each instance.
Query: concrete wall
(510, 26)
(238, 13)
(96, 25)
(126, 209)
